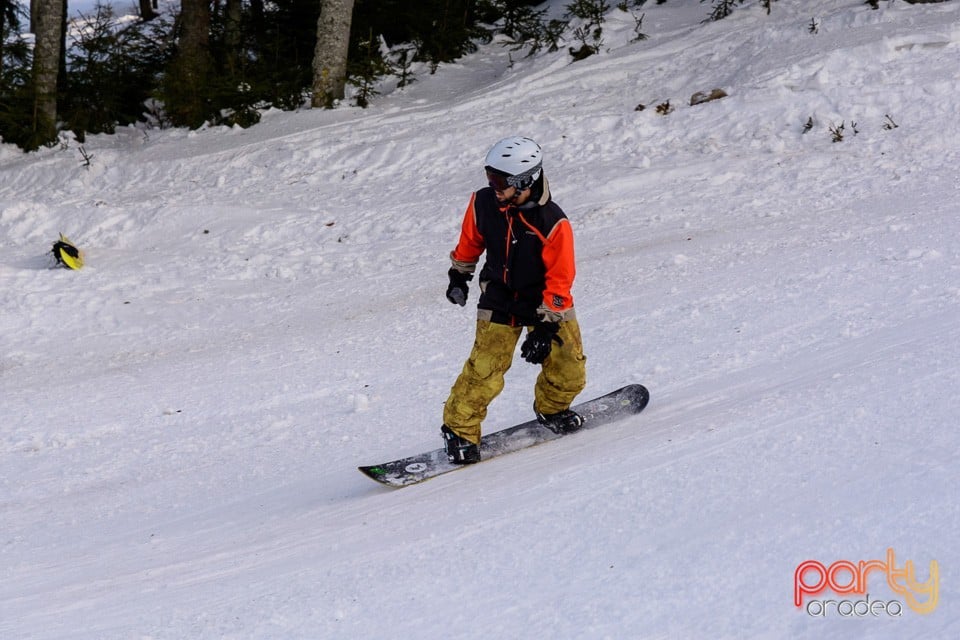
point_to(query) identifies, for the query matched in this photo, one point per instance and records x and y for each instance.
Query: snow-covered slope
(263, 310)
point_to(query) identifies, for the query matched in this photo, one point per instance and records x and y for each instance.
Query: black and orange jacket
(530, 257)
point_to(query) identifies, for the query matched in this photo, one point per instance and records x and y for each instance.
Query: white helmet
(519, 160)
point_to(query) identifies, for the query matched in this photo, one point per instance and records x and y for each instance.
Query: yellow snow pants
(562, 375)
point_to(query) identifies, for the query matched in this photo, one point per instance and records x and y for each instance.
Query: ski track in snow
(262, 311)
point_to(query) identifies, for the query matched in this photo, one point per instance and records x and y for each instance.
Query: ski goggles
(499, 181)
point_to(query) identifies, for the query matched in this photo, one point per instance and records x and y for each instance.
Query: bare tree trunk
(148, 10)
(62, 68)
(189, 75)
(233, 15)
(48, 26)
(330, 55)
(257, 19)
(3, 32)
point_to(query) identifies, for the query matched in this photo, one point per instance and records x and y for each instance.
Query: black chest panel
(514, 273)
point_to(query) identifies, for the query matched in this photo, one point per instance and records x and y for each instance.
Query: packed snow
(262, 310)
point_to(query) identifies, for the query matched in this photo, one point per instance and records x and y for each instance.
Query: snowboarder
(525, 282)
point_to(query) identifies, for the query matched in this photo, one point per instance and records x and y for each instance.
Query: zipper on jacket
(506, 252)
(506, 262)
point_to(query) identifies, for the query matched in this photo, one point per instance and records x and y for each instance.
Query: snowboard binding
(565, 421)
(459, 450)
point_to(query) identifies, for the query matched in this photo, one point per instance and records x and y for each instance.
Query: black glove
(457, 290)
(536, 347)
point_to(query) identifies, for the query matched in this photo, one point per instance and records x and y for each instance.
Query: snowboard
(67, 254)
(597, 412)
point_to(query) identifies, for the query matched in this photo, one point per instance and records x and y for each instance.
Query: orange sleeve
(471, 245)
(558, 258)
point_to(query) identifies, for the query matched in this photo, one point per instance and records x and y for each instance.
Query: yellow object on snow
(67, 253)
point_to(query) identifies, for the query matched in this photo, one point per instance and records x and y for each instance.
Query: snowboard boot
(459, 450)
(566, 421)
